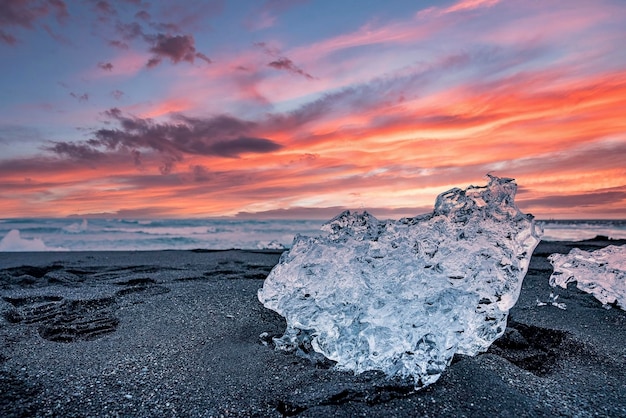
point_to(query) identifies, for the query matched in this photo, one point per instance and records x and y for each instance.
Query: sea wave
(183, 234)
(137, 235)
(13, 241)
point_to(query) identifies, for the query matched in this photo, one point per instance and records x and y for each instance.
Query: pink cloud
(464, 5)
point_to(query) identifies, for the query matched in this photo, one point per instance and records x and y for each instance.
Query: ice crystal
(404, 296)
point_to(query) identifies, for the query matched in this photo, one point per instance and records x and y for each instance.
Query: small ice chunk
(404, 296)
(271, 245)
(552, 302)
(601, 273)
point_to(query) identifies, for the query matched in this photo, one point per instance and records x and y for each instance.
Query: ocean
(70, 234)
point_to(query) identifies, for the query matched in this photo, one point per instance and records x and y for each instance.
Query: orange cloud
(165, 108)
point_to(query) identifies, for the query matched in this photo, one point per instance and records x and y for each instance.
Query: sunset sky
(295, 108)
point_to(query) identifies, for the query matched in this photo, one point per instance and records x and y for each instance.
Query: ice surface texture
(601, 273)
(404, 296)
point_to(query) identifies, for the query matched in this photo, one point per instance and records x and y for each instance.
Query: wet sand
(177, 333)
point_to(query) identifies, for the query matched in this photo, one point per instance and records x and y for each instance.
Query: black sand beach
(177, 333)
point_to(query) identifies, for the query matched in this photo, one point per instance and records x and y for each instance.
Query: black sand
(176, 333)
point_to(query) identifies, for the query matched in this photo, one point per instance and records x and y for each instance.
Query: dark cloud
(200, 174)
(57, 36)
(169, 42)
(119, 44)
(80, 97)
(222, 136)
(294, 213)
(286, 64)
(75, 151)
(105, 10)
(129, 31)
(24, 13)
(167, 27)
(203, 57)
(281, 62)
(143, 15)
(597, 198)
(106, 66)
(233, 148)
(176, 48)
(332, 211)
(269, 50)
(140, 213)
(117, 94)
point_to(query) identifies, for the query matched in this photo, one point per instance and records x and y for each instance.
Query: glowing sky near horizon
(284, 108)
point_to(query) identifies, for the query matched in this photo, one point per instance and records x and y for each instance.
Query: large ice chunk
(601, 273)
(404, 296)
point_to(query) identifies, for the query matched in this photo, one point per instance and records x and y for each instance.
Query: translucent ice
(404, 296)
(601, 273)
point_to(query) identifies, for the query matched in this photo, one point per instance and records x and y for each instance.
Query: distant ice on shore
(579, 230)
(601, 273)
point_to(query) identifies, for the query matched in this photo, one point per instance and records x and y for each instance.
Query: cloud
(118, 44)
(104, 10)
(24, 13)
(578, 200)
(265, 16)
(325, 213)
(465, 5)
(234, 147)
(117, 94)
(460, 6)
(203, 57)
(220, 136)
(375, 95)
(286, 64)
(80, 97)
(137, 213)
(168, 43)
(75, 151)
(143, 15)
(281, 62)
(176, 48)
(129, 31)
(200, 173)
(106, 66)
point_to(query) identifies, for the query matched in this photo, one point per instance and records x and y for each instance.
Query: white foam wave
(77, 227)
(165, 230)
(13, 241)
